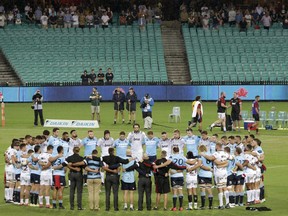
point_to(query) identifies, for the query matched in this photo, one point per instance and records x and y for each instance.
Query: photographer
(37, 107)
(146, 105)
(95, 98)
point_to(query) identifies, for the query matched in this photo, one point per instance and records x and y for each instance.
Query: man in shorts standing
(197, 113)
(236, 104)
(95, 99)
(255, 113)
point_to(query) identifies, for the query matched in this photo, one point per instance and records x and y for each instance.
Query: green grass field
(19, 122)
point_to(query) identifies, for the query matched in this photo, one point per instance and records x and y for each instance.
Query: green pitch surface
(19, 122)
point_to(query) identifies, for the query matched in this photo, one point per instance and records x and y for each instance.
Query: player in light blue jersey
(151, 144)
(191, 141)
(239, 161)
(64, 142)
(54, 140)
(204, 140)
(59, 181)
(89, 143)
(212, 144)
(231, 177)
(205, 177)
(232, 144)
(35, 176)
(121, 145)
(128, 184)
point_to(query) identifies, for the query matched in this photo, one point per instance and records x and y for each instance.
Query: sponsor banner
(71, 123)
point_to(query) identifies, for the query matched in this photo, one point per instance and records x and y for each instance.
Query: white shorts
(138, 155)
(46, 179)
(250, 177)
(221, 115)
(95, 109)
(258, 175)
(25, 180)
(191, 181)
(221, 180)
(10, 176)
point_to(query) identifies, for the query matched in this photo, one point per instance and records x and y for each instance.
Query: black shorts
(146, 114)
(196, 119)
(59, 181)
(128, 186)
(120, 107)
(35, 178)
(17, 177)
(131, 107)
(235, 116)
(231, 180)
(240, 180)
(204, 180)
(162, 184)
(178, 181)
(256, 117)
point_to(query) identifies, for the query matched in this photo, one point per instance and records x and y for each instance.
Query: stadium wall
(159, 93)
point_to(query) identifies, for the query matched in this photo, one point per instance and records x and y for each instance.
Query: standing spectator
(109, 77)
(60, 20)
(100, 77)
(150, 15)
(274, 16)
(129, 18)
(248, 18)
(118, 99)
(2, 9)
(18, 18)
(82, 20)
(67, 20)
(146, 105)
(105, 20)
(255, 113)
(255, 17)
(53, 20)
(158, 15)
(11, 18)
(243, 25)
(2, 20)
(90, 20)
(97, 19)
(215, 21)
(110, 15)
(259, 10)
(236, 104)
(27, 8)
(122, 18)
(238, 17)
(38, 109)
(266, 20)
(205, 22)
(141, 19)
(75, 20)
(191, 20)
(44, 21)
(30, 16)
(285, 23)
(92, 77)
(232, 17)
(95, 99)
(85, 78)
(38, 14)
(131, 99)
(183, 13)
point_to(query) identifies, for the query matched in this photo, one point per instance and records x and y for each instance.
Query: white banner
(71, 123)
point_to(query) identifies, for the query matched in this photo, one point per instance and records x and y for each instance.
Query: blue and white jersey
(25, 169)
(17, 169)
(231, 164)
(35, 164)
(121, 147)
(105, 144)
(128, 177)
(94, 165)
(10, 153)
(72, 144)
(205, 142)
(258, 150)
(65, 146)
(212, 147)
(220, 156)
(136, 140)
(165, 145)
(59, 172)
(239, 159)
(232, 148)
(204, 173)
(178, 143)
(55, 142)
(151, 146)
(29, 147)
(241, 146)
(44, 158)
(89, 145)
(179, 160)
(191, 143)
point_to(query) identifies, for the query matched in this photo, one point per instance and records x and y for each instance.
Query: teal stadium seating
(61, 55)
(229, 55)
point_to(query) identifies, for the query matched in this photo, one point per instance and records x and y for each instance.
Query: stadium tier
(229, 55)
(61, 55)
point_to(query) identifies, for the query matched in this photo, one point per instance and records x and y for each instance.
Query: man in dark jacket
(131, 99)
(118, 99)
(38, 109)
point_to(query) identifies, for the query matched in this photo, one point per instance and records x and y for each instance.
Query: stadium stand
(229, 55)
(61, 55)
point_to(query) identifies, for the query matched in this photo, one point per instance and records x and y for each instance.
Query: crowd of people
(34, 165)
(100, 78)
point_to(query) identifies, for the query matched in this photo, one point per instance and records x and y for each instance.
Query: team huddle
(35, 165)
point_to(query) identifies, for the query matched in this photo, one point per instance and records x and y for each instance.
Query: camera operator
(37, 107)
(146, 105)
(95, 98)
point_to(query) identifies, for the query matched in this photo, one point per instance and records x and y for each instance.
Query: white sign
(71, 123)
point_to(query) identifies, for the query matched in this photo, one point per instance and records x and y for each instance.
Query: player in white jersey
(220, 159)
(105, 143)
(165, 144)
(176, 141)
(191, 181)
(44, 144)
(10, 159)
(238, 142)
(231, 144)
(136, 139)
(250, 173)
(74, 141)
(204, 140)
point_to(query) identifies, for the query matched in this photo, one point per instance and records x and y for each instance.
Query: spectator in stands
(85, 78)
(30, 16)
(255, 17)
(109, 77)
(82, 21)
(10, 19)
(75, 20)
(67, 19)
(259, 9)
(150, 15)
(73, 8)
(38, 15)
(122, 18)
(141, 18)
(183, 13)
(27, 8)
(243, 25)
(92, 77)
(129, 18)
(191, 20)
(97, 19)
(44, 21)
(285, 23)
(53, 21)
(215, 21)
(110, 15)
(158, 15)
(90, 20)
(282, 14)
(274, 16)
(232, 17)
(105, 20)
(15, 10)
(266, 20)
(2, 19)
(18, 18)
(2, 9)
(205, 22)
(134, 12)
(248, 18)
(100, 77)
(238, 17)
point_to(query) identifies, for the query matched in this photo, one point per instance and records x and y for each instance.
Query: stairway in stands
(175, 53)
(8, 77)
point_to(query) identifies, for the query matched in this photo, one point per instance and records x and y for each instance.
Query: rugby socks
(47, 199)
(203, 197)
(241, 197)
(181, 200)
(210, 198)
(212, 125)
(226, 194)
(40, 200)
(262, 194)
(249, 197)
(224, 129)
(26, 201)
(190, 201)
(36, 196)
(237, 198)
(174, 201)
(21, 201)
(195, 198)
(32, 196)
(257, 194)
(232, 197)
(53, 203)
(60, 203)
(125, 205)
(7, 193)
(220, 197)
(252, 195)
(11, 192)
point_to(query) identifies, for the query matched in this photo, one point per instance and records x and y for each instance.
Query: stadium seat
(271, 119)
(263, 118)
(175, 116)
(281, 120)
